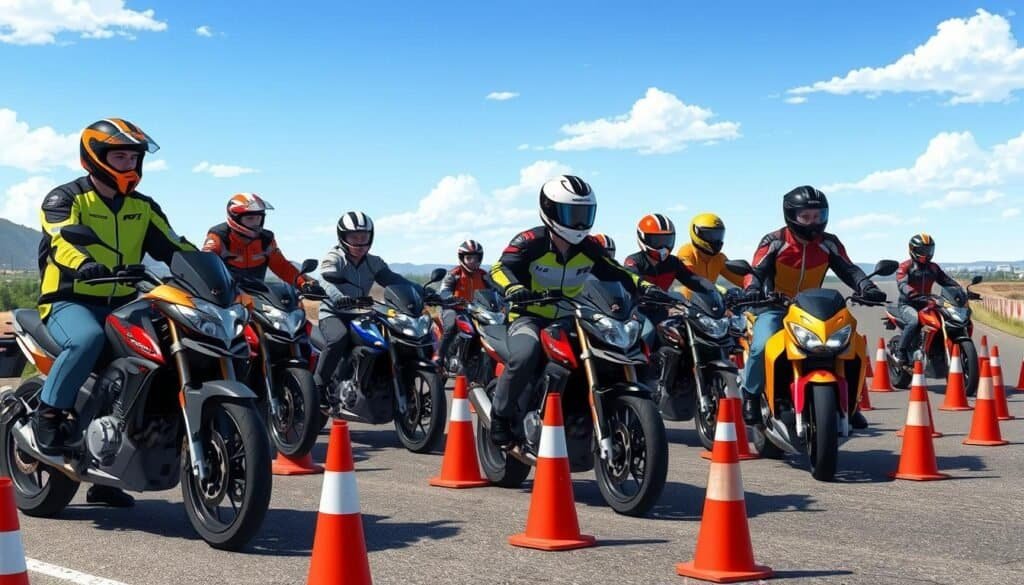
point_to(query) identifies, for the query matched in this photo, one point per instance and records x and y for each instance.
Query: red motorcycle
(944, 323)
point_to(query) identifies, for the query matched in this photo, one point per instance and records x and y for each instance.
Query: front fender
(624, 388)
(720, 366)
(818, 378)
(216, 390)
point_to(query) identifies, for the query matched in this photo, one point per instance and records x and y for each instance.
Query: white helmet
(568, 207)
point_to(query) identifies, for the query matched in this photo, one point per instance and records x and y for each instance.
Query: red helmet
(607, 243)
(99, 138)
(470, 248)
(656, 235)
(242, 204)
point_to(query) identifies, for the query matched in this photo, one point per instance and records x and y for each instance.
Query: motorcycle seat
(29, 321)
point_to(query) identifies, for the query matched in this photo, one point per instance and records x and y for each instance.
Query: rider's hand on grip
(92, 270)
(872, 293)
(517, 294)
(752, 294)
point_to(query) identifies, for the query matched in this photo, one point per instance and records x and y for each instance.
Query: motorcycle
(162, 406)
(810, 366)
(279, 368)
(467, 353)
(692, 369)
(611, 424)
(393, 378)
(944, 323)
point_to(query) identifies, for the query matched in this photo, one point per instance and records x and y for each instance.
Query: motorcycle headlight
(738, 325)
(490, 317)
(958, 315)
(806, 339)
(614, 332)
(213, 321)
(839, 339)
(713, 327)
(415, 327)
(289, 322)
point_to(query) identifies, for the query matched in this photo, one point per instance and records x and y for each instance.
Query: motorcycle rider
(608, 243)
(914, 279)
(788, 261)
(111, 152)
(360, 270)
(248, 248)
(703, 253)
(556, 256)
(461, 282)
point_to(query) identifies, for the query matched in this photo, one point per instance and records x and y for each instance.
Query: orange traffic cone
(284, 465)
(869, 373)
(917, 459)
(865, 398)
(339, 548)
(12, 555)
(552, 522)
(724, 553)
(459, 468)
(983, 351)
(998, 390)
(880, 381)
(918, 381)
(956, 393)
(1020, 377)
(984, 424)
(742, 442)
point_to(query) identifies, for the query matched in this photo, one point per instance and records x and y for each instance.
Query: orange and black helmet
(243, 204)
(607, 243)
(922, 248)
(101, 137)
(656, 235)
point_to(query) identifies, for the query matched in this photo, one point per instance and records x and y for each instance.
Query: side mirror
(437, 275)
(886, 267)
(977, 278)
(308, 265)
(80, 235)
(741, 267)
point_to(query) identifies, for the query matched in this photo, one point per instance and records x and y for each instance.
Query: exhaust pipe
(480, 401)
(26, 441)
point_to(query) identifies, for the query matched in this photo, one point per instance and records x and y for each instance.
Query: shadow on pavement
(809, 574)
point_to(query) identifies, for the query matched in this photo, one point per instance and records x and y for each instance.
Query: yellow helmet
(707, 233)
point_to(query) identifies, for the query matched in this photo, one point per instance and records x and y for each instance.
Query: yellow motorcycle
(814, 372)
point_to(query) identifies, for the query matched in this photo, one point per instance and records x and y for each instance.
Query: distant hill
(19, 246)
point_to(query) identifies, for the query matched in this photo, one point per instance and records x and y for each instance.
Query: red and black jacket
(915, 279)
(661, 274)
(785, 264)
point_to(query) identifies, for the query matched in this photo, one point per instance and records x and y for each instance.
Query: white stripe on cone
(917, 414)
(917, 380)
(12, 555)
(460, 410)
(955, 367)
(724, 483)
(993, 361)
(552, 443)
(339, 495)
(880, 355)
(725, 431)
(985, 389)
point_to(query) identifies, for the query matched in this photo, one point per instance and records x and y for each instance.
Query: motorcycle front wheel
(294, 430)
(718, 385)
(823, 436)
(632, 478)
(421, 427)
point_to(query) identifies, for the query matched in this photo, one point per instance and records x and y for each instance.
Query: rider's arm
(949, 283)
(161, 242)
(903, 281)
(607, 269)
(281, 266)
(763, 263)
(384, 276)
(60, 209)
(687, 278)
(729, 274)
(514, 265)
(841, 264)
(333, 261)
(214, 244)
(448, 285)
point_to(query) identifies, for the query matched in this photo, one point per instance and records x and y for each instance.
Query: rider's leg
(766, 325)
(524, 353)
(447, 334)
(911, 329)
(336, 349)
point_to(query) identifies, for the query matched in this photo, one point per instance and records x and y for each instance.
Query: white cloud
(39, 22)
(1011, 212)
(678, 208)
(874, 220)
(963, 199)
(658, 123)
(204, 31)
(530, 180)
(523, 147)
(152, 166)
(797, 99)
(976, 60)
(952, 161)
(35, 149)
(222, 171)
(501, 96)
(21, 201)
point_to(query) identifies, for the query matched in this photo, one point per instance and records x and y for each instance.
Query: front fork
(604, 440)
(396, 379)
(195, 449)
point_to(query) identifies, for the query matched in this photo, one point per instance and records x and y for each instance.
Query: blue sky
(675, 107)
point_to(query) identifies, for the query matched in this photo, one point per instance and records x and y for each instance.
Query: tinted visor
(471, 257)
(133, 139)
(659, 241)
(811, 217)
(712, 236)
(924, 250)
(577, 217)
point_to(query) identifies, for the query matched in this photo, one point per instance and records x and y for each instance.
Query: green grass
(983, 315)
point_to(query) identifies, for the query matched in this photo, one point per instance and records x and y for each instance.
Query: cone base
(550, 544)
(755, 572)
(920, 476)
(955, 408)
(1008, 417)
(303, 466)
(935, 434)
(881, 390)
(458, 483)
(984, 443)
(865, 408)
(706, 455)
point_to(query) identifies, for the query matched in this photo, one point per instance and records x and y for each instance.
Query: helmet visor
(131, 139)
(811, 217)
(924, 251)
(358, 239)
(577, 217)
(659, 241)
(713, 236)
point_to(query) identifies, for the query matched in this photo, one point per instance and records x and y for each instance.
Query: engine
(104, 438)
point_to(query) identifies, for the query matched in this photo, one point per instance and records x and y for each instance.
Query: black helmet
(802, 199)
(922, 248)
